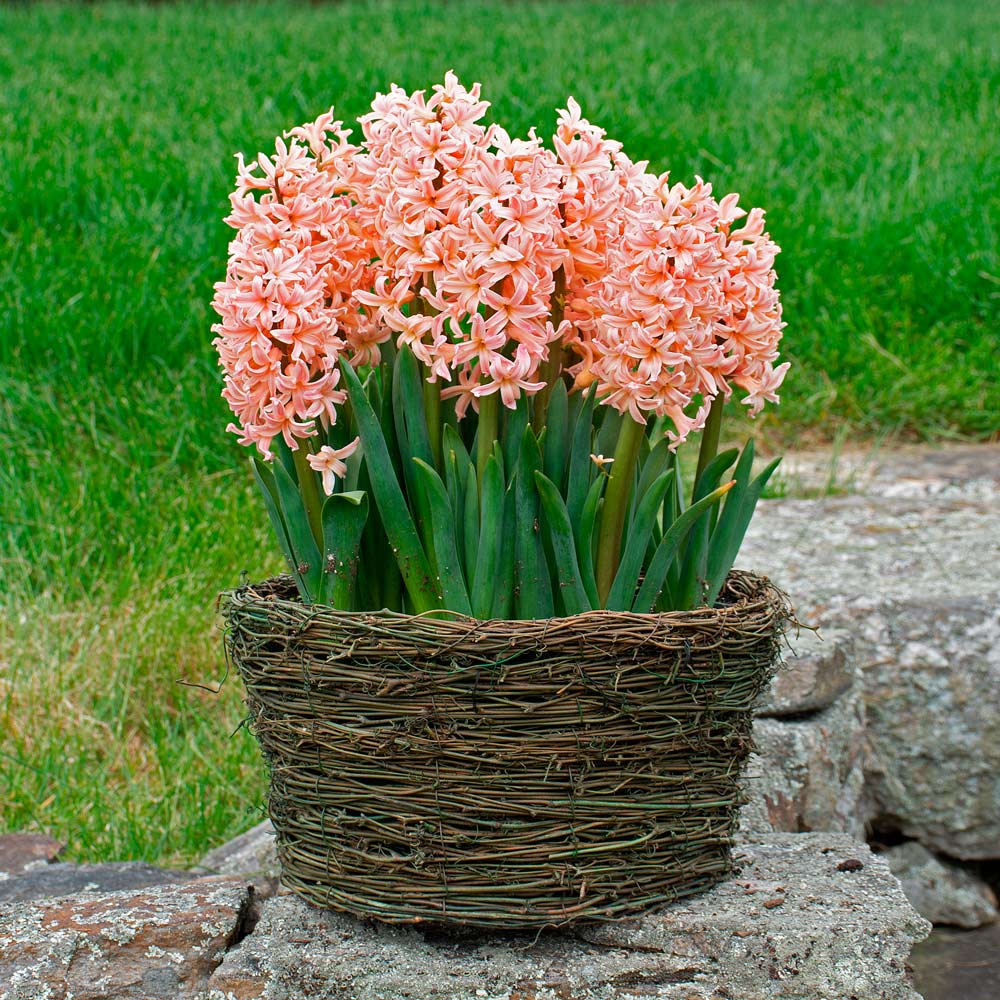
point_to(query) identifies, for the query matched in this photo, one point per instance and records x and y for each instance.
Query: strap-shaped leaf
(264, 476)
(344, 517)
(580, 464)
(556, 435)
(514, 423)
(491, 540)
(607, 433)
(456, 498)
(399, 526)
(408, 403)
(503, 594)
(585, 540)
(305, 552)
(656, 463)
(627, 578)
(735, 518)
(694, 565)
(452, 441)
(656, 572)
(449, 566)
(574, 597)
(533, 589)
(470, 524)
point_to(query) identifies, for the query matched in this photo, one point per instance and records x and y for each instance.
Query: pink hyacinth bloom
(330, 463)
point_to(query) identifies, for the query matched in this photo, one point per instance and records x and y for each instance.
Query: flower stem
(709, 440)
(432, 413)
(609, 541)
(489, 415)
(309, 488)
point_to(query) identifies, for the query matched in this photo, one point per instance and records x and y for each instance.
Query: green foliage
(430, 534)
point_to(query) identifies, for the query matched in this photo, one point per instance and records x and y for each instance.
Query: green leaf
(693, 585)
(503, 593)
(574, 597)
(470, 524)
(408, 404)
(305, 552)
(656, 572)
(735, 518)
(556, 434)
(580, 465)
(344, 517)
(585, 540)
(533, 588)
(607, 433)
(491, 540)
(399, 526)
(627, 578)
(657, 462)
(452, 441)
(449, 567)
(514, 423)
(264, 476)
(456, 496)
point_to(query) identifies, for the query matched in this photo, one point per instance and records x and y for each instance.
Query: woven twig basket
(503, 773)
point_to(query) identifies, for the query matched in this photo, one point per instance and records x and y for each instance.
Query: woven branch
(503, 773)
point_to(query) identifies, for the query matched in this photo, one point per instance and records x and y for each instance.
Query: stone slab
(158, 943)
(817, 668)
(940, 891)
(53, 880)
(970, 471)
(810, 917)
(250, 853)
(808, 771)
(915, 581)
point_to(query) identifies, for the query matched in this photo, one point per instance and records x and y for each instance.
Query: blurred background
(867, 131)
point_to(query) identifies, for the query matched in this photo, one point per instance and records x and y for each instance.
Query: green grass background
(868, 131)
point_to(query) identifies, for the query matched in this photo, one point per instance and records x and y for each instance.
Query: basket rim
(754, 593)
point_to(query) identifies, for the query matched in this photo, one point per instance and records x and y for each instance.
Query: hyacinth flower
(467, 361)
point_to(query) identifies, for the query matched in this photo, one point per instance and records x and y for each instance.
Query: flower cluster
(287, 305)
(499, 262)
(467, 230)
(687, 308)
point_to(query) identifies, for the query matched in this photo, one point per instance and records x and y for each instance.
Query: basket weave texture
(503, 773)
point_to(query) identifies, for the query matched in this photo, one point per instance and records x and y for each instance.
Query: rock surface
(913, 578)
(808, 772)
(818, 668)
(941, 892)
(810, 917)
(160, 943)
(49, 880)
(970, 471)
(251, 853)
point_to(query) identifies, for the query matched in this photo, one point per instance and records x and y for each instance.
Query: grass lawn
(867, 130)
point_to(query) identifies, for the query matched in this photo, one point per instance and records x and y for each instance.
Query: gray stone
(968, 471)
(808, 771)
(817, 668)
(65, 879)
(158, 943)
(915, 582)
(251, 853)
(810, 917)
(942, 892)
